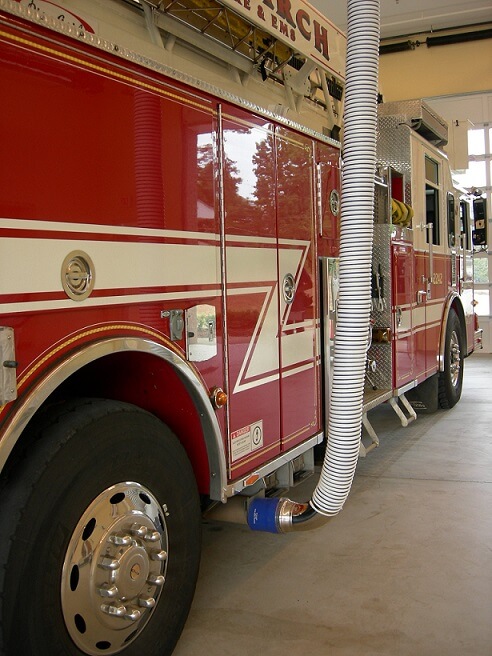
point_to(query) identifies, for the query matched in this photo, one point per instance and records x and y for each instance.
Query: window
(465, 223)
(432, 198)
(481, 278)
(474, 177)
(476, 142)
(451, 221)
(478, 177)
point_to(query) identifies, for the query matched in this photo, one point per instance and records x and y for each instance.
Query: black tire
(451, 379)
(61, 495)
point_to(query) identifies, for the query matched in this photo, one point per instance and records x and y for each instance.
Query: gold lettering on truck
(437, 278)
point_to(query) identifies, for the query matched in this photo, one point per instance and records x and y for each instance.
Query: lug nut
(112, 609)
(120, 540)
(110, 563)
(146, 602)
(158, 555)
(155, 579)
(132, 614)
(107, 590)
(138, 529)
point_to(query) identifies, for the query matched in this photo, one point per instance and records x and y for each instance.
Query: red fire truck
(170, 250)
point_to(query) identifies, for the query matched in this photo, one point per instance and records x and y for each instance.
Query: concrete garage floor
(404, 570)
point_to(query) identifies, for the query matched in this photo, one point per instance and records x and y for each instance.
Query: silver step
(405, 419)
(412, 415)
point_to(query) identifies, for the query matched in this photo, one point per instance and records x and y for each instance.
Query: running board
(404, 419)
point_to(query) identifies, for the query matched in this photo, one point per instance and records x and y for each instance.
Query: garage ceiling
(405, 17)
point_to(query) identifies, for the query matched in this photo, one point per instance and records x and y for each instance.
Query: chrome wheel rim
(114, 569)
(454, 358)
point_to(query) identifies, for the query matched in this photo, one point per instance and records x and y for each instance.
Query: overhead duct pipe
(359, 163)
(460, 37)
(442, 37)
(401, 46)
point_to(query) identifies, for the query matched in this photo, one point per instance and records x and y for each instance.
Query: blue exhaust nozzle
(263, 515)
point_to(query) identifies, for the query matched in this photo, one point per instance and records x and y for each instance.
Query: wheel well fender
(453, 302)
(147, 374)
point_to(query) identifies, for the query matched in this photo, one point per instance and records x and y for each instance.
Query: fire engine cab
(171, 295)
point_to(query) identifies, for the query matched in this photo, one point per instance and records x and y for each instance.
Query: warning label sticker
(246, 440)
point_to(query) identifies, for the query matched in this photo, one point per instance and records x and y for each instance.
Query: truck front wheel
(451, 379)
(100, 541)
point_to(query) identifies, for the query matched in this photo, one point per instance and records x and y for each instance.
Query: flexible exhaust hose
(356, 235)
(345, 410)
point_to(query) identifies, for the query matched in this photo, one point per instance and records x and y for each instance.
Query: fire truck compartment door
(403, 293)
(270, 282)
(300, 414)
(252, 281)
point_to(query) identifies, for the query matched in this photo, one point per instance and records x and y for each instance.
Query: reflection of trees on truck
(205, 328)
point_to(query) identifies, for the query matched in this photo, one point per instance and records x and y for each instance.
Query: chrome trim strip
(208, 420)
(442, 337)
(402, 390)
(219, 146)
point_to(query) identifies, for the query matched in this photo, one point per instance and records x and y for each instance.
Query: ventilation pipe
(345, 410)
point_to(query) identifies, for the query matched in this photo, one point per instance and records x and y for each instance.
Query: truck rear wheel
(101, 536)
(451, 379)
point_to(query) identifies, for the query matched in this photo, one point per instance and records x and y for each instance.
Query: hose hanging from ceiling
(356, 235)
(345, 408)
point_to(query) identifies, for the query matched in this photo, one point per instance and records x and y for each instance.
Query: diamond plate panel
(380, 354)
(381, 264)
(382, 377)
(394, 149)
(421, 117)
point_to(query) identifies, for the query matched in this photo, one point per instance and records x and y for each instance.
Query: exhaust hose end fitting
(281, 515)
(262, 515)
